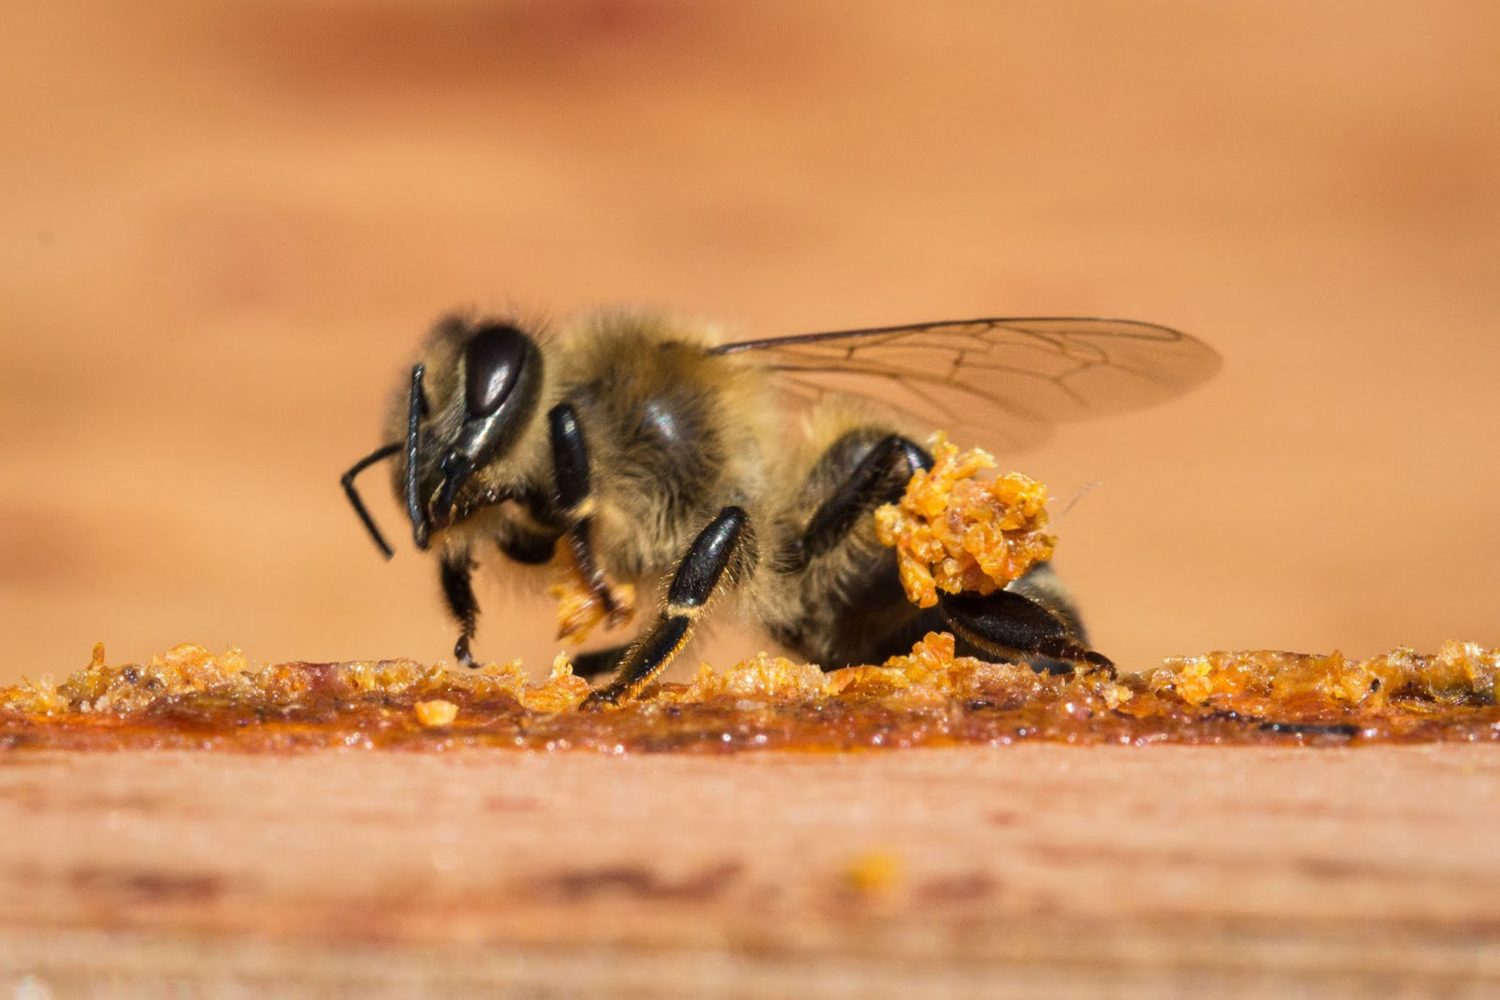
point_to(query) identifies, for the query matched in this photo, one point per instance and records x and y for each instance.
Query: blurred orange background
(227, 226)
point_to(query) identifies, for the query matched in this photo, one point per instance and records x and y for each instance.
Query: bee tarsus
(456, 574)
(599, 661)
(1006, 625)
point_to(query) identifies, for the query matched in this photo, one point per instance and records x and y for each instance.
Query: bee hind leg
(880, 477)
(1009, 625)
(854, 609)
(727, 544)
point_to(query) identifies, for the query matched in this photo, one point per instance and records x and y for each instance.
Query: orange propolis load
(953, 532)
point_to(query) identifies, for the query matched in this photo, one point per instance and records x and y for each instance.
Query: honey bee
(744, 472)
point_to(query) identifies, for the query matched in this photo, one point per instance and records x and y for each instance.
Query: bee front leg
(456, 573)
(726, 543)
(575, 499)
(1008, 625)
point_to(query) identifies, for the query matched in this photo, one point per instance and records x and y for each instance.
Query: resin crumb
(580, 609)
(873, 873)
(436, 713)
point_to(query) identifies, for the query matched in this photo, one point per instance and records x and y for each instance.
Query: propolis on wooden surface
(1329, 830)
(189, 697)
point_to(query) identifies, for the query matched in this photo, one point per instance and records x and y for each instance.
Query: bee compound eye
(492, 366)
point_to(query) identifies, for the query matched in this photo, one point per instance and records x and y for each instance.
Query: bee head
(487, 380)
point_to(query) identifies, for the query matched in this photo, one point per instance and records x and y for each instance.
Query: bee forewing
(999, 381)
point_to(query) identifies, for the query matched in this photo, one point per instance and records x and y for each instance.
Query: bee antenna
(413, 435)
(347, 479)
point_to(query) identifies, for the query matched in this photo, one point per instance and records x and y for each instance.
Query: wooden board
(1026, 870)
(229, 225)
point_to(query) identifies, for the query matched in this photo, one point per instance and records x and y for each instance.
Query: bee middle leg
(599, 661)
(574, 494)
(727, 544)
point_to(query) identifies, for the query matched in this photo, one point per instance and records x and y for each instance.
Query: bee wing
(997, 381)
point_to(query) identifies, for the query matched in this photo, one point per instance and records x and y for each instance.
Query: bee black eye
(492, 366)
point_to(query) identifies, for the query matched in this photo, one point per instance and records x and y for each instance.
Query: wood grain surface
(227, 226)
(1019, 871)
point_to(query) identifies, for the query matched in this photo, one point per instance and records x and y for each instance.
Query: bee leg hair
(570, 476)
(456, 571)
(880, 477)
(1008, 625)
(726, 543)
